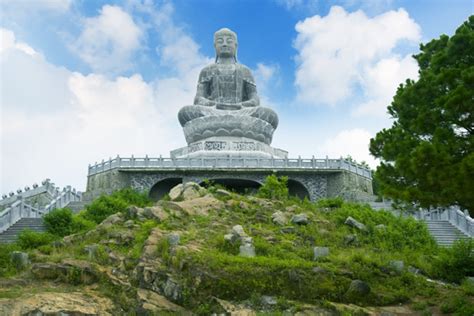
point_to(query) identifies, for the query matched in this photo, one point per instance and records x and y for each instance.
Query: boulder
(222, 193)
(279, 218)
(397, 265)
(288, 230)
(113, 219)
(268, 300)
(173, 239)
(57, 303)
(227, 308)
(191, 191)
(70, 271)
(350, 239)
(354, 223)
(129, 224)
(156, 213)
(238, 230)
(91, 251)
(300, 219)
(175, 192)
(358, 289)
(173, 290)
(19, 259)
(320, 252)
(200, 206)
(231, 238)
(151, 303)
(247, 250)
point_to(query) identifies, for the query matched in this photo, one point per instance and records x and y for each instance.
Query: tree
(427, 155)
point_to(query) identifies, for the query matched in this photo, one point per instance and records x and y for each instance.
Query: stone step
(11, 234)
(77, 206)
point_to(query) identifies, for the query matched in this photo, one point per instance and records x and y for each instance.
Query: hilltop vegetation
(206, 250)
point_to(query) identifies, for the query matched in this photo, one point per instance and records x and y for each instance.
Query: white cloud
(353, 142)
(339, 52)
(381, 82)
(298, 4)
(8, 41)
(109, 40)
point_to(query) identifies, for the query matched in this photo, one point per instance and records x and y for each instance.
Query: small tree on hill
(427, 156)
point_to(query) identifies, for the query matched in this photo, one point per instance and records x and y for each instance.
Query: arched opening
(163, 187)
(240, 186)
(295, 188)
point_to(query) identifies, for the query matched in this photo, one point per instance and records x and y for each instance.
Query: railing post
(327, 162)
(147, 161)
(312, 162)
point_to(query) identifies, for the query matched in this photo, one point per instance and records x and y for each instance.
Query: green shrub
(29, 239)
(456, 263)
(274, 188)
(80, 223)
(6, 266)
(330, 202)
(104, 206)
(59, 222)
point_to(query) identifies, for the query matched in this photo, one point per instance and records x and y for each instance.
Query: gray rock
(288, 230)
(300, 219)
(414, 270)
(269, 300)
(350, 239)
(91, 251)
(247, 250)
(129, 224)
(320, 252)
(397, 265)
(231, 238)
(246, 240)
(222, 193)
(112, 220)
(238, 230)
(354, 223)
(279, 218)
(172, 290)
(319, 270)
(190, 191)
(358, 289)
(173, 239)
(19, 259)
(176, 192)
(381, 227)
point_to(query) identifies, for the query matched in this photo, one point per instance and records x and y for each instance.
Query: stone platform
(311, 178)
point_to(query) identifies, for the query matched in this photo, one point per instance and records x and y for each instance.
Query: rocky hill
(205, 251)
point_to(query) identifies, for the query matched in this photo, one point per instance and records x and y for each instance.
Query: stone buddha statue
(226, 102)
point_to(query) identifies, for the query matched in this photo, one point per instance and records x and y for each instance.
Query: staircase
(11, 234)
(444, 232)
(77, 206)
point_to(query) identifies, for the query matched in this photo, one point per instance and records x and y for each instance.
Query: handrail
(20, 209)
(228, 162)
(453, 214)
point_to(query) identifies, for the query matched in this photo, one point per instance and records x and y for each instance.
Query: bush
(59, 222)
(456, 263)
(274, 188)
(336, 202)
(80, 223)
(29, 239)
(6, 266)
(105, 206)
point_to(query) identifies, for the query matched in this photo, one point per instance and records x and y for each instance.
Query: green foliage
(274, 188)
(330, 202)
(456, 263)
(140, 237)
(29, 239)
(427, 156)
(104, 206)
(59, 222)
(6, 266)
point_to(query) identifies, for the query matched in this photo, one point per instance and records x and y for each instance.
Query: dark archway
(159, 189)
(237, 185)
(295, 188)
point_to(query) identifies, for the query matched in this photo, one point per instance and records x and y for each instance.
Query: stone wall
(318, 183)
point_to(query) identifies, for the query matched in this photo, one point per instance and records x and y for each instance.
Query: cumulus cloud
(343, 51)
(353, 142)
(109, 40)
(78, 119)
(8, 41)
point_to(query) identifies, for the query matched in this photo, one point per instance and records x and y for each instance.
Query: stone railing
(19, 209)
(453, 214)
(46, 187)
(228, 163)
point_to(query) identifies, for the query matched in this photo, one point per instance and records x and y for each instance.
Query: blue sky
(85, 80)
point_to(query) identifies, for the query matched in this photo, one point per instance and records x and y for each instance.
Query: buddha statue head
(225, 43)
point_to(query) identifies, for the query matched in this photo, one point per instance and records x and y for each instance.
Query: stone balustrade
(20, 209)
(453, 214)
(228, 163)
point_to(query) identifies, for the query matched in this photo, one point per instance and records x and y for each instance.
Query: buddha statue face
(225, 43)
